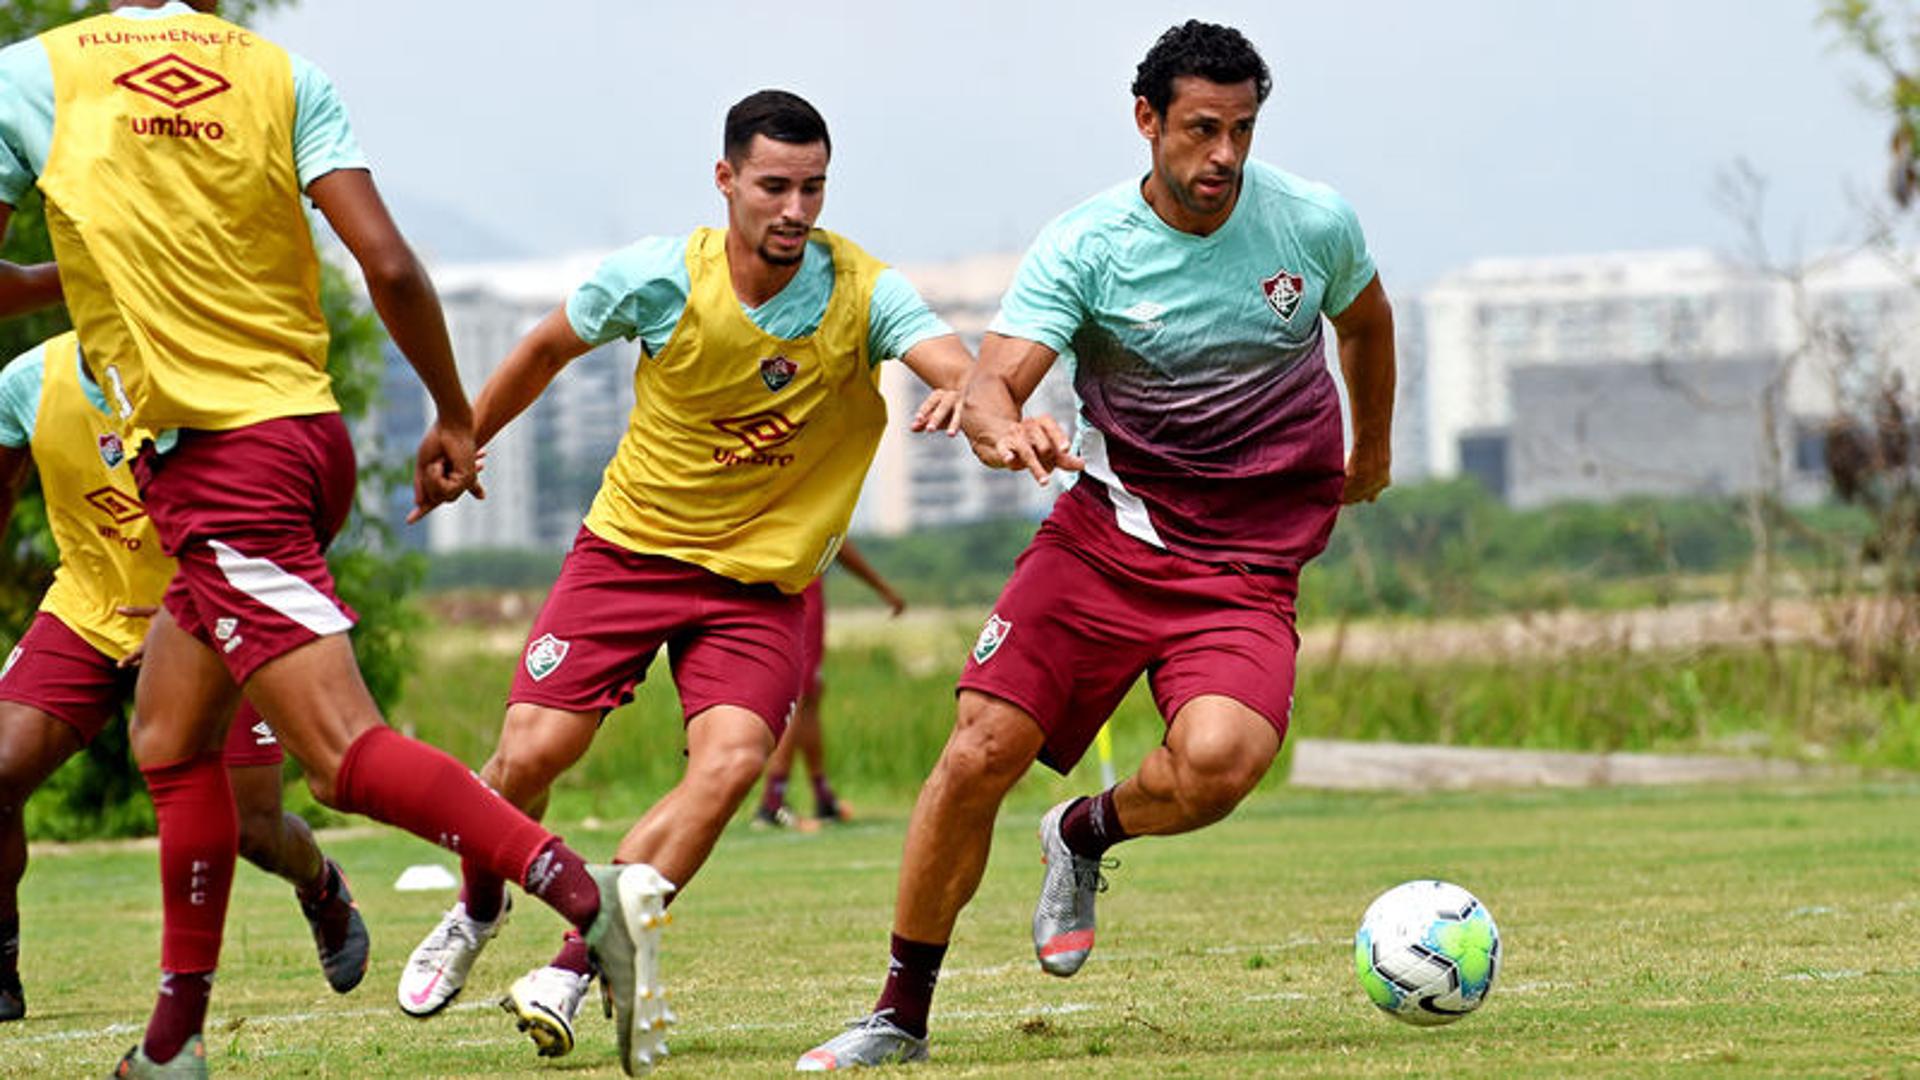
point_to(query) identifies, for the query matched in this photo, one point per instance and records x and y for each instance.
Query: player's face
(774, 194)
(1200, 146)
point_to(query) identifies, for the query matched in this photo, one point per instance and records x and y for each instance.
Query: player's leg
(773, 812)
(57, 692)
(181, 704)
(727, 746)
(32, 745)
(537, 744)
(1215, 752)
(280, 843)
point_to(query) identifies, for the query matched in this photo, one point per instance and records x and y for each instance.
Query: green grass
(1698, 932)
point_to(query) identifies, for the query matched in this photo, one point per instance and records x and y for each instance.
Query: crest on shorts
(777, 372)
(1284, 291)
(992, 636)
(544, 655)
(112, 450)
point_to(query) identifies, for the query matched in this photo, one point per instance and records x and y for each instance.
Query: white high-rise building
(1496, 316)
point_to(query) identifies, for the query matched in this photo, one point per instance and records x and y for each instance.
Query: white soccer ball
(1427, 952)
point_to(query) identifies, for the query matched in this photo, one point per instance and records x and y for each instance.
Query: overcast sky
(1459, 130)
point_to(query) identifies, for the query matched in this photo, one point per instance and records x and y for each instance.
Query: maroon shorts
(813, 639)
(1089, 608)
(60, 673)
(248, 514)
(612, 609)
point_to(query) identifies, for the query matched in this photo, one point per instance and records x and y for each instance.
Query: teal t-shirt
(1207, 415)
(640, 292)
(323, 138)
(20, 395)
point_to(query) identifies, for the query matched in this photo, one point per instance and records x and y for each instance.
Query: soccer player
(756, 413)
(803, 733)
(1210, 469)
(72, 671)
(173, 149)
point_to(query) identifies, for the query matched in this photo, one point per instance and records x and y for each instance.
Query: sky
(1462, 130)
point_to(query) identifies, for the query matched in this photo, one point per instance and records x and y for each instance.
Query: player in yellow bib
(72, 671)
(757, 412)
(176, 153)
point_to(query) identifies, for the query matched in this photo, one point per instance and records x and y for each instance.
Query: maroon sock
(1091, 826)
(179, 1014)
(572, 955)
(559, 876)
(393, 779)
(822, 793)
(483, 893)
(911, 974)
(199, 839)
(774, 795)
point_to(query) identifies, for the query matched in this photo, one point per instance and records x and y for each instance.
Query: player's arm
(520, 379)
(1009, 370)
(15, 462)
(404, 297)
(943, 363)
(1365, 329)
(857, 564)
(25, 288)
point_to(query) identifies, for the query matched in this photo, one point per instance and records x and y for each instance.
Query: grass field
(1698, 932)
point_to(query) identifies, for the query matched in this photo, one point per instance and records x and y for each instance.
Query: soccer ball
(1427, 952)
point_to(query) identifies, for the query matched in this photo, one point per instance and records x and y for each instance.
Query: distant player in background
(73, 670)
(177, 153)
(756, 414)
(803, 734)
(1210, 467)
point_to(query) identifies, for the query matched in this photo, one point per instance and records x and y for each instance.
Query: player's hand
(1369, 471)
(446, 466)
(1034, 444)
(940, 412)
(895, 603)
(135, 611)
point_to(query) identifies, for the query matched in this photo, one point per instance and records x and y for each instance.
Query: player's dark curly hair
(777, 114)
(1218, 54)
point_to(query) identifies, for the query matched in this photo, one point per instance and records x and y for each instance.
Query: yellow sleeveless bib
(745, 452)
(109, 553)
(174, 208)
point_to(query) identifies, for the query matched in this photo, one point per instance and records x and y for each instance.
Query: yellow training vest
(745, 452)
(174, 207)
(109, 553)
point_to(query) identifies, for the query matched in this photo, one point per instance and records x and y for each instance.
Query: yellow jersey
(174, 205)
(109, 553)
(745, 452)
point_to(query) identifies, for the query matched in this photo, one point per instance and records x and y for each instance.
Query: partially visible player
(803, 732)
(1210, 469)
(756, 413)
(73, 670)
(174, 150)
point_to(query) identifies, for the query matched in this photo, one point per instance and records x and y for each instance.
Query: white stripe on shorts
(1128, 509)
(281, 591)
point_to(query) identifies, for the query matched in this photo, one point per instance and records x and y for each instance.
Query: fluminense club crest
(544, 655)
(992, 636)
(112, 450)
(1284, 291)
(777, 372)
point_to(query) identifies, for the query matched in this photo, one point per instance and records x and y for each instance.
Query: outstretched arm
(519, 380)
(857, 564)
(1365, 330)
(25, 289)
(1009, 370)
(943, 364)
(403, 295)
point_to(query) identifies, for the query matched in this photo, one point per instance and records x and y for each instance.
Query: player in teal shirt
(1192, 308)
